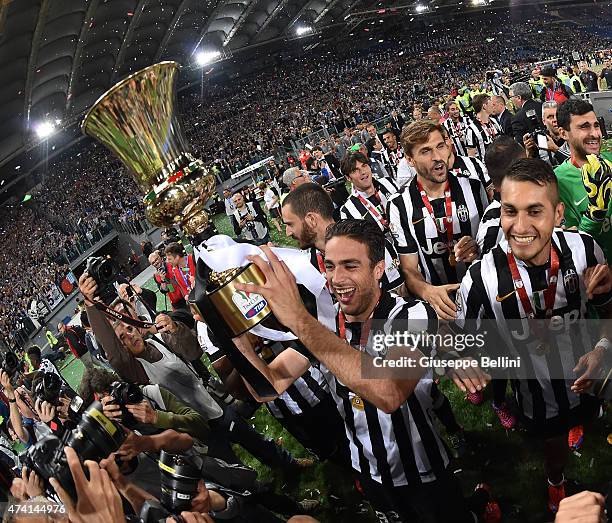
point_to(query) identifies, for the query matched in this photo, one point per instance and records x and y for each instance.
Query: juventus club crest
(570, 281)
(462, 213)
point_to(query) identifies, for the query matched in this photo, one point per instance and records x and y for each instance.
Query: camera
(126, 394)
(9, 363)
(47, 388)
(94, 438)
(105, 272)
(179, 485)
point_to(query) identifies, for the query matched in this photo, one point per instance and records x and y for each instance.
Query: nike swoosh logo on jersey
(502, 298)
(580, 201)
(414, 222)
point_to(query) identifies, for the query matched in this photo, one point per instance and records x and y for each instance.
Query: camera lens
(179, 481)
(94, 438)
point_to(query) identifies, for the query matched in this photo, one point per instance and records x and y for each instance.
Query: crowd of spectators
(240, 123)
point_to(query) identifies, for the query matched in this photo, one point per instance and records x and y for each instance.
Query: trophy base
(240, 310)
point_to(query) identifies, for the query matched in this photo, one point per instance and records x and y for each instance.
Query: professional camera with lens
(180, 475)
(48, 387)
(9, 363)
(94, 438)
(126, 394)
(535, 128)
(104, 271)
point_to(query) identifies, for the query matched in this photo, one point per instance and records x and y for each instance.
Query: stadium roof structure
(58, 56)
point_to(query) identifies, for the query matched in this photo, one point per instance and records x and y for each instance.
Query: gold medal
(357, 402)
(452, 261)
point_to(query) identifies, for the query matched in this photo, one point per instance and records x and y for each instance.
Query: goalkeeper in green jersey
(585, 179)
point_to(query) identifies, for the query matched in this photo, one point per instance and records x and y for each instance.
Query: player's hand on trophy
(280, 290)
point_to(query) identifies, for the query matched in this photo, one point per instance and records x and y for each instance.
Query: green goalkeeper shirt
(574, 196)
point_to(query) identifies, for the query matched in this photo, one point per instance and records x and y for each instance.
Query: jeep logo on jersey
(434, 247)
(570, 280)
(462, 213)
(249, 303)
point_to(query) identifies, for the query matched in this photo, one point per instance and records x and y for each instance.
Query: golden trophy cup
(137, 120)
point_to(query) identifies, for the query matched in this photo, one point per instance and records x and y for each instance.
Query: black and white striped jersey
(391, 160)
(402, 448)
(415, 232)
(470, 167)
(479, 135)
(490, 232)
(377, 203)
(487, 300)
(456, 131)
(305, 392)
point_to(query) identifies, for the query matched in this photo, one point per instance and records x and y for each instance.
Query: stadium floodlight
(420, 8)
(205, 57)
(302, 30)
(479, 2)
(44, 130)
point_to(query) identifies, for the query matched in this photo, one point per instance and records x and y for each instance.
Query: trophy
(136, 120)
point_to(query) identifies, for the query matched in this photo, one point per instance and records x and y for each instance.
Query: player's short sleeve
(404, 241)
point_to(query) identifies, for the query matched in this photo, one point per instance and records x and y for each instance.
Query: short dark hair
(174, 249)
(389, 130)
(478, 101)
(362, 231)
(98, 380)
(536, 171)
(574, 106)
(310, 197)
(499, 155)
(448, 105)
(418, 132)
(317, 148)
(349, 162)
(34, 350)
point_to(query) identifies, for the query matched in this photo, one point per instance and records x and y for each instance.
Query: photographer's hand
(97, 498)
(110, 409)
(143, 412)
(33, 484)
(164, 323)
(5, 381)
(192, 517)
(88, 287)
(132, 446)
(63, 408)
(45, 410)
(132, 493)
(530, 146)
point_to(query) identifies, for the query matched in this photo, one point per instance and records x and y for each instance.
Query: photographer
(166, 283)
(546, 142)
(158, 360)
(144, 301)
(23, 432)
(251, 221)
(158, 406)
